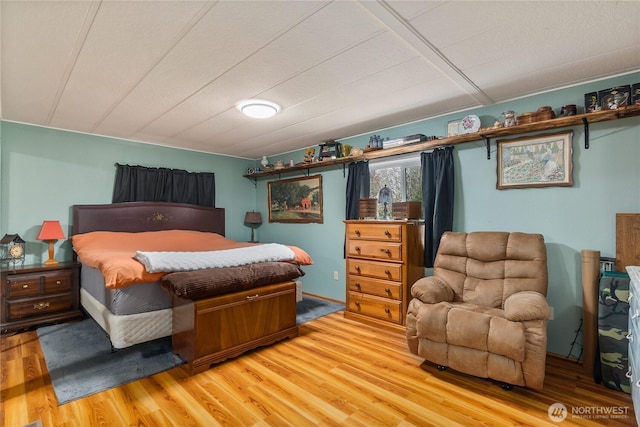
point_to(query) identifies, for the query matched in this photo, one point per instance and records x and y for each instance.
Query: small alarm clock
(12, 249)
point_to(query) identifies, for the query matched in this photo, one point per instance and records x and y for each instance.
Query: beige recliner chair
(484, 311)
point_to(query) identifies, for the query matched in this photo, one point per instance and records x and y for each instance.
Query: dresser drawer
(384, 232)
(381, 308)
(376, 269)
(38, 306)
(382, 288)
(378, 250)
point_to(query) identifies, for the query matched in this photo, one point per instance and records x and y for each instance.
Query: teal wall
(44, 172)
(606, 181)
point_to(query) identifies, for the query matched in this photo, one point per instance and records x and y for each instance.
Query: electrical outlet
(551, 313)
(335, 275)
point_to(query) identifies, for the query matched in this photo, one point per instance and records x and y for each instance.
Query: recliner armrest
(526, 305)
(431, 290)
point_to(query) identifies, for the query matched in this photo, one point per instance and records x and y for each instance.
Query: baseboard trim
(337, 301)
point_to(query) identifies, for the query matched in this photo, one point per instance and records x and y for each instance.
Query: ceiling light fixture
(258, 108)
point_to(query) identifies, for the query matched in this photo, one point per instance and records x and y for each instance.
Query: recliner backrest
(486, 267)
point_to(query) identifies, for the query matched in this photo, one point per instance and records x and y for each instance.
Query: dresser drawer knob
(252, 297)
(58, 282)
(386, 310)
(357, 285)
(387, 290)
(41, 305)
(387, 233)
(356, 232)
(357, 303)
(357, 248)
(25, 286)
(358, 269)
(387, 272)
(386, 251)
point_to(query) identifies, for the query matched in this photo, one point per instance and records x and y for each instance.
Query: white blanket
(158, 262)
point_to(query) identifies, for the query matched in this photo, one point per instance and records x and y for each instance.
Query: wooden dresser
(38, 294)
(384, 259)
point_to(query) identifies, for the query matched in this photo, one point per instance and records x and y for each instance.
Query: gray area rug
(312, 308)
(80, 361)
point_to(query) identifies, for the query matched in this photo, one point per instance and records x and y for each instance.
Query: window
(402, 176)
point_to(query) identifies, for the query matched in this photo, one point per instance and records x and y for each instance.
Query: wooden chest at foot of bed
(211, 330)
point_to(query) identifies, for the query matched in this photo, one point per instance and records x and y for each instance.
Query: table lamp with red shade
(50, 232)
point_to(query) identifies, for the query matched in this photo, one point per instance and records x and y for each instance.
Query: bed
(143, 311)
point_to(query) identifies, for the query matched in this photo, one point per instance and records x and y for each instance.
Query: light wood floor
(338, 372)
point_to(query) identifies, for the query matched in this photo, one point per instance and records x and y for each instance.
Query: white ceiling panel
(36, 55)
(225, 36)
(125, 41)
(171, 72)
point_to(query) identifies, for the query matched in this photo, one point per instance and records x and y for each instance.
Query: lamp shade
(51, 230)
(252, 218)
(385, 195)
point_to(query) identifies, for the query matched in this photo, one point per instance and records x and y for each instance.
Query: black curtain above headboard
(144, 184)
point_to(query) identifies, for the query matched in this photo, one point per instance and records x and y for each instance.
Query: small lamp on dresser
(253, 221)
(50, 232)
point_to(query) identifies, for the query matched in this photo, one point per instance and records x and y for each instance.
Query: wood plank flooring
(337, 372)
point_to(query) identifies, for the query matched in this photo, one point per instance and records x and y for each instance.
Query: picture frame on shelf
(455, 127)
(296, 200)
(543, 160)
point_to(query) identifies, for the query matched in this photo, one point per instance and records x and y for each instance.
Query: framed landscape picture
(535, 161)
(296, 200)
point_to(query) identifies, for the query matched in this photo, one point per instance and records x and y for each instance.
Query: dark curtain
(437, 198)
(144, 184)
(357, 187)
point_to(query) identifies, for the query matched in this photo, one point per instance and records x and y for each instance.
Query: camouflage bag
(613, 327)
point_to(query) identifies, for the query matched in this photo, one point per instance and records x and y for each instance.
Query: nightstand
(31, 295)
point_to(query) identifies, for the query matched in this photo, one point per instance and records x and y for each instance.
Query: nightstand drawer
(382, 288)
(380, 270)
(381, 308)
(384, 232)
(58, 282)
(24, 285)
(38, 306)
(377, 250)
(21, 286)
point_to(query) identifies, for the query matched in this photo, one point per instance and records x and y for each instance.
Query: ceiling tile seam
(292, 76)
(414, 39)
(237, 64)
(323, 61)
(573, 82)
(177, 39)
(85, 28)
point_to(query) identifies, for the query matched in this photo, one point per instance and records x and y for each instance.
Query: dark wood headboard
(147, 216)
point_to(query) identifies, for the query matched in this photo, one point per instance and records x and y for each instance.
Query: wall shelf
(483, 134)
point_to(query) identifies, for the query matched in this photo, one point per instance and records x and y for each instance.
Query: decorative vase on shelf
(264, 162)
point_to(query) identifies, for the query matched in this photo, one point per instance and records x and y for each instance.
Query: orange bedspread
(113, 252)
